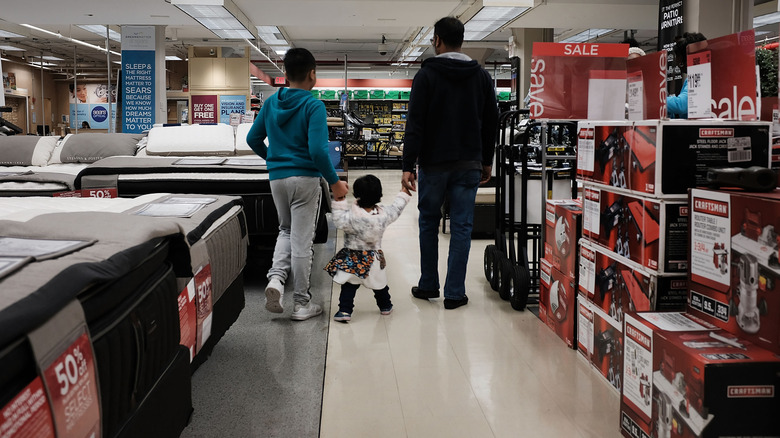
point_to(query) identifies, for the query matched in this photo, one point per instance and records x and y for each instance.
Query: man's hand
(409, 181)
(405, 190)
(339, 189)
(486, 171)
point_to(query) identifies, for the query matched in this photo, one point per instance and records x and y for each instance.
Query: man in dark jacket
(450, 135)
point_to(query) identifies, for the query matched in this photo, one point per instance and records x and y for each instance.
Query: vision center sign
(138, 65)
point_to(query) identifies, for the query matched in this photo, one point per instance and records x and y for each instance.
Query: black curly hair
(367, 190)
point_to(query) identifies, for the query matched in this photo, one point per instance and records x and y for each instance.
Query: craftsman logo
(708, 206)
(586, 313)
(684, 211)
(587, 134)
(716, 132)
(640, 338)
(757, 391)
(592, 195)
(588, 254)
(679, 284)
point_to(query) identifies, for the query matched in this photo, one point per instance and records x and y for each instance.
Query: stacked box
(631, 156)
(735, 273)
(618, 286)
(563, 221)
(650, 232)
(558, 302)
(683, 377)
(600, 341)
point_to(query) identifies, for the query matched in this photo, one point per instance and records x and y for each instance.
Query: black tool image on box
(613, 148)
(754, 178)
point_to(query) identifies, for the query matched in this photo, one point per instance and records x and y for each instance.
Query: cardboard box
(563, 228)
(607, 353)
(650, 232)
(618, 286)
(683, 377)
(631, 156)
(585, 312)
(602, 152)
(735, 274)
(558, 302)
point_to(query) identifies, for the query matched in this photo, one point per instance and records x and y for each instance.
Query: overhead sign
(670, 26)
(280, 80)
(229, 105)
(204, 109)
(138, 66)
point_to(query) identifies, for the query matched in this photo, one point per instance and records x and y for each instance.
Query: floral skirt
(355, 261)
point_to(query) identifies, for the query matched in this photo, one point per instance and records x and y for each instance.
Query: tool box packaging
(683, 377)
(602, 152)
(585, 312)
(563, 228)
(617, 286)
(735, 274)
(650, 232)
(558, 302)
(607, 353)
(669, 157)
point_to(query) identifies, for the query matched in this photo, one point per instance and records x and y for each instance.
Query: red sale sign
(651, 73)
(204, 303)
(27, 415)
(188, 319)
(578, 81)
(732, 74)
(72, 385)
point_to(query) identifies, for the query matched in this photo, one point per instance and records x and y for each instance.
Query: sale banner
(204, 109)
(647, 86)
(564, 75)
(732, 74)
(188, 319)
(63, 351)
(204, 304)
(27, 415)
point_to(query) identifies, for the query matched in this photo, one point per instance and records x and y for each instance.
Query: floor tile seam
(395, 377)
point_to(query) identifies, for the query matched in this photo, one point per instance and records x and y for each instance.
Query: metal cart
(542, 151)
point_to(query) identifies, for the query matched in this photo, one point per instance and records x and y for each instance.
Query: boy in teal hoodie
(297, 157)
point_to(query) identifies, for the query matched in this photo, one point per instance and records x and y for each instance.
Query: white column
(525, 39)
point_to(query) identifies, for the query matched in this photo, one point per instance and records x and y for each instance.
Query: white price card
(636, 97)
(700, 85)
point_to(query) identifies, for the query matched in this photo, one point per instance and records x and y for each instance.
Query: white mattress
(195, 176)
(67, 170)
(24, 209)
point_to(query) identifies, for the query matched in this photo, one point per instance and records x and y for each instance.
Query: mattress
(100, 321)
(215, 238)
(38, 180)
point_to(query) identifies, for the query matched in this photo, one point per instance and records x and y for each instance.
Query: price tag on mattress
(27, 414)
(203, 294)
(188, 318)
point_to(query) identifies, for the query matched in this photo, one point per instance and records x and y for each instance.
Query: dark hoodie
(297, 130)
(453, 116)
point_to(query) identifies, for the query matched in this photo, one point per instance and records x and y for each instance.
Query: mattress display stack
(106, 307)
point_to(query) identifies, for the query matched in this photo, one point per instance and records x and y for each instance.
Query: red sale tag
(99, 193)
(188, 319)
(204, 303)
(28, 414)
(73, 392)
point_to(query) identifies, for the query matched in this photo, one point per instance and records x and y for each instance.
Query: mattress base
(226, 312)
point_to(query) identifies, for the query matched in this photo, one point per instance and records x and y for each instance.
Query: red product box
(563, 225)
(557, 302)
(618, 286)
(735, 274)
(650, 232)
(585, 315)
(683, 377)
(603, 153)
(607, 353)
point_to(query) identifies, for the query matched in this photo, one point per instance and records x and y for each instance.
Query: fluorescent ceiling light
(74, 40)
(271, 35)
(46, 58)
(219, 16)
(6, 34)
(99, 29)
(586, 35)
(763, 20)
(488, 20)
(8, 48)
(172, 58)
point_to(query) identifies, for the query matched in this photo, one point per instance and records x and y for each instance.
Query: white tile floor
(483, 370)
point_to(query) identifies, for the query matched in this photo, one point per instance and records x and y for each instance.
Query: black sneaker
(424, 294)
(454, 304)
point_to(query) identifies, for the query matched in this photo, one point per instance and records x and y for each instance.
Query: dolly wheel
(495, 280)
(489, 259)
(507, 279)
(501, 271)
(518, 297)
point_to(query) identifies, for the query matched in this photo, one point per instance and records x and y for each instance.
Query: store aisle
(483, 370)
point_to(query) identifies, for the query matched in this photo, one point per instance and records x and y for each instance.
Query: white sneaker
(273, 295)
(302, 313)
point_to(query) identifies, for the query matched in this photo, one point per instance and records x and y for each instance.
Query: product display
(734, 263)
(685, 378)
(557, 302)
(563, 224)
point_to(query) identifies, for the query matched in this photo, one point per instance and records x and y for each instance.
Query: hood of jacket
(454, 68)
(289, 101)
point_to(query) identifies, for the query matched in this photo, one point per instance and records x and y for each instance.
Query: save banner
(578, 81)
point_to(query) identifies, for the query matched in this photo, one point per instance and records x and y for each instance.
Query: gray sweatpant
(297, 201)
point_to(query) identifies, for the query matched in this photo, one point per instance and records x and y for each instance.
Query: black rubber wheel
(521, 285)
(490, 256)
(506, 278)
(498, 270)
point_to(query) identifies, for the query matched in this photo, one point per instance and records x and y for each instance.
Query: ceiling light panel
(488, 20)
(8, 48)
(6, 34)
(47, 58)
(217, 17)
(763, 20)
(99, 29)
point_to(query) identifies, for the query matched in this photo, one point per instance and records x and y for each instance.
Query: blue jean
(460, 186)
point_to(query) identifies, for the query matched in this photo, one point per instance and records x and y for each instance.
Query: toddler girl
(361, 261)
